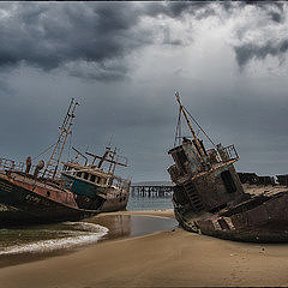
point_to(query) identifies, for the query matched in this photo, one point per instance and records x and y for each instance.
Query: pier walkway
(152, 189)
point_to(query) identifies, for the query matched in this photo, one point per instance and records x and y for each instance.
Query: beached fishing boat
(96, 186)
(211, 198)
(77, 191)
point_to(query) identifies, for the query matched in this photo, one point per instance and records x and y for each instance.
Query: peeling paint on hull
(32, 206)
(211, 198)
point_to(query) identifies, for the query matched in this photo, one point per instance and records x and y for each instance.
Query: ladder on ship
(193, 196)
(65, 130)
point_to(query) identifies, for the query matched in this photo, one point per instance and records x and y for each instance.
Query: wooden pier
(155, 189)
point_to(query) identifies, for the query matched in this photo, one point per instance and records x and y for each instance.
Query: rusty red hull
(29, 201)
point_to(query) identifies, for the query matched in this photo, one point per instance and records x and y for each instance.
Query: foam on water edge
(85, 233)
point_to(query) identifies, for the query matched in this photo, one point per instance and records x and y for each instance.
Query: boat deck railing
(229, 153)
(8, 164)
(36, 181)
(11, 165)
(19, 168)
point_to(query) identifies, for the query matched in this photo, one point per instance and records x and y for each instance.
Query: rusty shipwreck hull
(259, 219)
(114, 204)
(211, 198)
(29, 201)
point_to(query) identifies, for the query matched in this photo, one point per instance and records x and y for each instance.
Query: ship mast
(182, 109)
(65, 131)
(109, 156)
(196, 141)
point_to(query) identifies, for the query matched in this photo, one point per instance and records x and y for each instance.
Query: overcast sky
(123, 61)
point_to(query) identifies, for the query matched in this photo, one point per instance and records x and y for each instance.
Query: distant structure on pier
(159, 189)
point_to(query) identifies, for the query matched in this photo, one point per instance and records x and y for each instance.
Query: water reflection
(121, 226)
(38, 242)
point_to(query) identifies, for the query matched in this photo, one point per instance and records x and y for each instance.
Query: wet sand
(34, 242)
(132, 224)
(173, 258)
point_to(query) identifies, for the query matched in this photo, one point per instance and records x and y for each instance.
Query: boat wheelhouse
(209, 197)
(98, 187)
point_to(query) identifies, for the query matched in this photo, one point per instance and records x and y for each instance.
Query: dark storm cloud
(277, 14)
(272, 17)
(50, 36)
(95, 41)
(250, 51)
(103, 34)
(174, 9)
(275, 10)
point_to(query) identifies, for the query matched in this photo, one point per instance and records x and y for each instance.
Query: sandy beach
(173, 258)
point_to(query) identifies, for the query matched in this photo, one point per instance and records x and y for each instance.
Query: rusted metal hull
(88, 196)
(21, 205)
(211, 198)
(221, 203)
(12, 216)
(114, 204)
(262, 219)
(26, 201)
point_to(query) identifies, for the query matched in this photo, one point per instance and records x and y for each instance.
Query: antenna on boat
(65, 131)
(81, 154)
(105, 158)
(112, 165)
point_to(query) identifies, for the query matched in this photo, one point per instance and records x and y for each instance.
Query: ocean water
(149, 203)
(28, 242)
(47, 238)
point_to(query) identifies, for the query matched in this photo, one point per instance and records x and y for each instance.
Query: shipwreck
(211, 198)
(61, 191)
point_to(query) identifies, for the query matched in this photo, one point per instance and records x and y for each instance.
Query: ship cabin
(205, 180)
(89, 174)
(92, 176)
